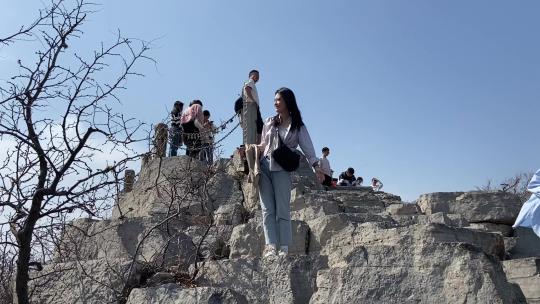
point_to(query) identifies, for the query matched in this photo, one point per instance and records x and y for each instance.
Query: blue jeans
(275, 197)
(175, 135)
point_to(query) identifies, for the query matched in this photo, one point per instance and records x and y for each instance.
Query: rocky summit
(189, 233)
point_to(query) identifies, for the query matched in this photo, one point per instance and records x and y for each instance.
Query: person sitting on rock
(358, 182)
(529, 215)
(346, 178)
(376, 184)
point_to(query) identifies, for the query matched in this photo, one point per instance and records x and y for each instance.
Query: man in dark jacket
(346, 178)
(175, 133)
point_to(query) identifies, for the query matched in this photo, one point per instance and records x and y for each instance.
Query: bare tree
(516, 184)
(56, 117)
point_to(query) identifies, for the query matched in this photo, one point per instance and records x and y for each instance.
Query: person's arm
(264, 139)
(304, 140)
(249, 94)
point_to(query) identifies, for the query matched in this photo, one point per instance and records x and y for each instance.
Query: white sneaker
(269, 250)
(283, 251)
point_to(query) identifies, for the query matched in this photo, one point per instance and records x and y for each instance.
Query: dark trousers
(175, 136)
(191, 139)
(327, 181)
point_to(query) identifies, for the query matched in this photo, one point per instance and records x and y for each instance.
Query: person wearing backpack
(281, 135)
(192, 122)
(175, 132)
(250, 94)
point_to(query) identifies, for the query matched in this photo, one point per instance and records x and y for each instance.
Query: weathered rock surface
(525, 273)
(476, 207)
(178, 182)
(174, 294)
(91, 281)
(527, 244)
(278, 280)
(504, 230)
(247, 240)
(119, 239)
(403, 209)
(426, 273)
(350, 245)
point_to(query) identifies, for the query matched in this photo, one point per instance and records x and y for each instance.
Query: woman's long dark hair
(290, 101)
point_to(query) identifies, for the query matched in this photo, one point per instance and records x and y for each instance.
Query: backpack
(238, 105)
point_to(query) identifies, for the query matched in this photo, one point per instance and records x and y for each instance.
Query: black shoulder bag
(288, 159)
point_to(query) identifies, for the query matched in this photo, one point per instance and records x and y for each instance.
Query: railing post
(129, 180)
(160, 140)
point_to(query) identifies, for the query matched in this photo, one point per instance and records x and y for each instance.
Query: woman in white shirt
(275, 183)
(529, 215)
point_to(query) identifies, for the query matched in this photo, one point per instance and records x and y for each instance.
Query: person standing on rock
(207, 139)
(192, 122)
(250, 94)
(529, 215)
(175, 133)
(324, 164)
(275, 183)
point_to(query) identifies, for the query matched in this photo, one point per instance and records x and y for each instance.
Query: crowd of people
(272, 158)
(346, 178)
(193, 128)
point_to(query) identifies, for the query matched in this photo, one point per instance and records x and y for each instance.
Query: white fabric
(529, 215)
(250, 83)
(324, 164)
(292, 139)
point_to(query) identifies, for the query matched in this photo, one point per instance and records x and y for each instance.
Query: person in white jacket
(529, 215)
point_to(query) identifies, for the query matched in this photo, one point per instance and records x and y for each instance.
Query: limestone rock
(178, 182)
(491, 207)
(212, 239)
(118, 240)
(525, 273)
(425, 273)
(340, 244)
(527, 244)
(174, 294)
(504, 230)
(247, 240)
(91, 281)
(160, 278)
(230, 214)
(403, 209)
(277, 281)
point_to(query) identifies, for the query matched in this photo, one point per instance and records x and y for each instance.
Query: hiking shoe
(269, 251)
(283, 251)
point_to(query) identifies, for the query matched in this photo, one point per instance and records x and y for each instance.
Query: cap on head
(350, 170)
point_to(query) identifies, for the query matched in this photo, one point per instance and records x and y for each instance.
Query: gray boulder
(280, 280)
(476, 207)
(91, 281)
(174, 294)
(526, 274)
(424, 273)
(403, 209)
(151, 242)
(181, 183)
(247, 240)
(526, 244)
(230, 214)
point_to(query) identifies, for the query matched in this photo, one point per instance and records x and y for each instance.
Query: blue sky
(426, 95)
